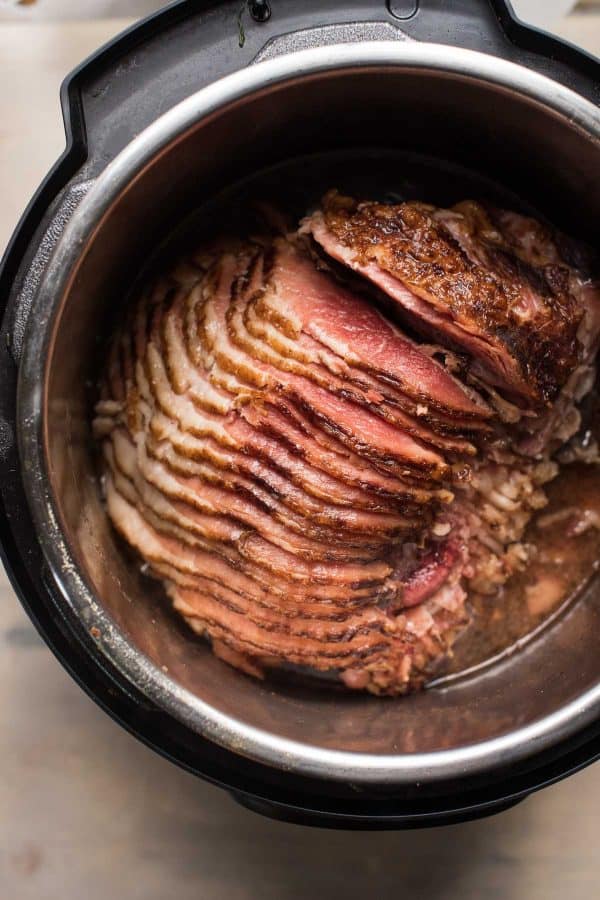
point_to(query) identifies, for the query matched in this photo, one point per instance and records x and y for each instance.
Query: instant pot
(200, 97)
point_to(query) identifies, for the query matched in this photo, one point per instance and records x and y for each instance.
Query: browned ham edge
(462, 280)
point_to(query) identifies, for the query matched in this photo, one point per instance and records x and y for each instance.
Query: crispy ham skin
(488, 283)
(313, 484)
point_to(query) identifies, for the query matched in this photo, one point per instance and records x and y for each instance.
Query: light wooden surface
(86, 812)
(582, 29)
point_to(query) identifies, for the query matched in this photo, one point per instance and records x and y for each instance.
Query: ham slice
(356, 330)
(287, 346)
(354, 426)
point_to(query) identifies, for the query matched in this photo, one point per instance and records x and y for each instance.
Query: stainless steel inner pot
(542, 142)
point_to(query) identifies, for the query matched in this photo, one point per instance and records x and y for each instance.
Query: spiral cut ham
(314, 485)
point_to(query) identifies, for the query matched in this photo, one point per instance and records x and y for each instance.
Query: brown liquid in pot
(552, 581)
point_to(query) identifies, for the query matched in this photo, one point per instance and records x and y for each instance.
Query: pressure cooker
(174, 111)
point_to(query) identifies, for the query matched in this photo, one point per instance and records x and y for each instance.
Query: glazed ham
(315, 486)
(489, 283)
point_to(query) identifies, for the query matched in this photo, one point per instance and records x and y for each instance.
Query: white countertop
(87, 812)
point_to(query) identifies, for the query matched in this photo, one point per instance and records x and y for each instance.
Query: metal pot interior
(367, 128)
